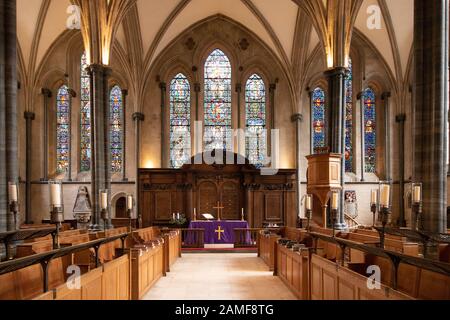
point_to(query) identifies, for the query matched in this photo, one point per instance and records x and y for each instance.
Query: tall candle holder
(13, 201)
(417, 205)
(56, 209)
(385, 209)
(334, 210)
(130, 207)
(308, 210)
(374, 200)
(104, 206)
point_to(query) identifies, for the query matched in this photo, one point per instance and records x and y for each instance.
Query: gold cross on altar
(219, 232)
(219, 209)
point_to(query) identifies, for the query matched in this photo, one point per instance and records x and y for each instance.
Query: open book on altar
(208, 216)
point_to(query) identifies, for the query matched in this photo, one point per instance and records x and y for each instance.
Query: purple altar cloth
(212, 231)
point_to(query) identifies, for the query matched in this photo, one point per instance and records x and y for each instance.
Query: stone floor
(220, 277)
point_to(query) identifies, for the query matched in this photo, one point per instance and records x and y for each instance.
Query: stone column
(72, 95)
(430, 111)
(336, 125)
(9, 170)
(138, 118)
(401, 119)
(101, 148)
(298, 119)
(163, 88)
(239, 92)
(272, 91)
(387, 135)
(29, 117)
(124, 138)
(362, 128)
(47, 95)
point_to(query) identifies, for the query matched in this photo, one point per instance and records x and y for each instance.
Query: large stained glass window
(85, 130)
(370, 135)
(318, 125)
(255, 102)
(218, 119)
(349, 119)
(116, 129)
(180, 121)
(62, 130)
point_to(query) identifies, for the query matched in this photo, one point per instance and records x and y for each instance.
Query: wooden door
(231, 200)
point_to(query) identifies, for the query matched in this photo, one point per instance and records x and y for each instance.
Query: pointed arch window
(62, 130)
(255, 102)
(370, 135)
(349, 119)
(116, 129)
(218, 114)
(180, 121)
(318, 125)
(85, 122)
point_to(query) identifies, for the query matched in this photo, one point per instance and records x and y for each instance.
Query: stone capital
(29, 115)
(125, 92)
(272, 87)
(197, 87)
(46, 92)
(163, 86)
(99, 68)
(337, 71)
(298, 117)
(400, 118)
(138, 116)
(385, 95)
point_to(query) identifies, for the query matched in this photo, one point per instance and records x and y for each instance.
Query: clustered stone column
(163, 88)
(138, 118)
(298, 119)
(336, 126)
(400, 120)
(9, 170)
(101, 148)
(124, 140)
(29, 117)
(430, 111)
(47, 94)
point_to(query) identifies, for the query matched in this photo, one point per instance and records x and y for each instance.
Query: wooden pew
(331, 282)
(147, 268)
(266, 248)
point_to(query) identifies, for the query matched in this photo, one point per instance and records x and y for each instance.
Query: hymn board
(265, 199)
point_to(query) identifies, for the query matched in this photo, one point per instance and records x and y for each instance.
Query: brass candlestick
(373, 209)
(309, 218)
(14, 209)
(129, 213)
(385, 212)
(334, 214)
(105, 217)
(57, 218)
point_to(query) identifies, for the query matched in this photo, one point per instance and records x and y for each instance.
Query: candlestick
(385, 196)
(335, 201)
(103, 199)
(195, 214)
(56, 194)
(417, 205)
(130, 202)
(12, 192)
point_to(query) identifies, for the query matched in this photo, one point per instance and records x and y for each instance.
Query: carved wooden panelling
(274, 207)
(207, 198)
(230, 200)
(164, 204)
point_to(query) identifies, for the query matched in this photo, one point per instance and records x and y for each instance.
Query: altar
(218, 233)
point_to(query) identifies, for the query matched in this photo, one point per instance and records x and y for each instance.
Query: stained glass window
(318, 112)
(62, 130)
(255, 102)
(85, 130)
(180, 121)
(116, 129)
(218, 133)
(370, 136)
(349, 119)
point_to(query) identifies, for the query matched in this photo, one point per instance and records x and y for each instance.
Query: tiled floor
(220, 277)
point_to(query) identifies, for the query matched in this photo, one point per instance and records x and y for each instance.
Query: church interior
(224, 150)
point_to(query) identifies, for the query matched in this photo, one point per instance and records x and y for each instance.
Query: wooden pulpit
(324, 177)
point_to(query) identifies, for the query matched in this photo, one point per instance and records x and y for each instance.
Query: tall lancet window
(318, 118)
(255, 109)
(349, 119)
(370, 135)
(62, 130)
(180, 121)
(116, 129)
(218, 133)
(85, 123)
